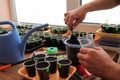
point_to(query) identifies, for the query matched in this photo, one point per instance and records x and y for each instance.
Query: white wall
(5, 12)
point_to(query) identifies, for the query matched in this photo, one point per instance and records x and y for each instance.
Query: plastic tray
(55, 76)
(103, 34)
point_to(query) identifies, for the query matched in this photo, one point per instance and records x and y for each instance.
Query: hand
(74, 17)
(96, 61)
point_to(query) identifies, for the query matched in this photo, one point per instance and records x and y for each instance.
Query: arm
(98, 62)
(76, 16)
(99, 5)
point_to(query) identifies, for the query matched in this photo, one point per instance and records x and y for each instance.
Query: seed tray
(55, 76)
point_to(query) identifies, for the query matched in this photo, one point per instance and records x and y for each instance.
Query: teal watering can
(12, 48)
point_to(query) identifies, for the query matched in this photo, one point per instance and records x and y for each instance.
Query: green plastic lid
(52, 50)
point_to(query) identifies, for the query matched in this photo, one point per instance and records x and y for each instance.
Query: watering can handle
(8, 22)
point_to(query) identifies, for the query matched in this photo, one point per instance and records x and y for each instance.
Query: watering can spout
(23, 43)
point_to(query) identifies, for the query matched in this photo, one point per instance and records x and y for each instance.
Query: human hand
(74, 17)
(96, 61)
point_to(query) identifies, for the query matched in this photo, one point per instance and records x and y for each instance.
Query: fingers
(70, 20)
(84, 50)
(65, 14)
(76, 22)
(82, 59)
(81, 56)
(88, 50)
(84, 55)
(66, 18)
(100, 49)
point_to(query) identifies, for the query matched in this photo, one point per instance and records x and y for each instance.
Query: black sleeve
(118, 1)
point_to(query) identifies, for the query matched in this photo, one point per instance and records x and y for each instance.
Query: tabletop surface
(12, 72)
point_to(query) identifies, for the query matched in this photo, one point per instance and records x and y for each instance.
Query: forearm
(100, 5)
(113, 72)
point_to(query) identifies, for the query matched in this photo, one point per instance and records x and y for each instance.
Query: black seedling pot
(53, 63)
(54, 40)
(75, 34)
(30, 68)
(72, 49)
(107, 28)
(83, 34)
(116, 29)
(60, 43)
(64, 30)
(64, 67)
(39, 57)
(43, 70)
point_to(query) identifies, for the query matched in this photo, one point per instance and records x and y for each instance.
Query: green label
(83, 34)
(37, 60)
(37, 41)
(58, 29)
(107, 27)
(28, 42)
(59, 66)
(52, 29)
(74, 34)
(58, 41)
(51, 38)
(47, 70)
(116, 29)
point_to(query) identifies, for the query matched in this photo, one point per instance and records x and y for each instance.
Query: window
(41, 11)
(110, 15)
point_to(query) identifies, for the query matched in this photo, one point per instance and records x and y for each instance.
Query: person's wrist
(84, 9)
(112, 71)
(87, 7)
